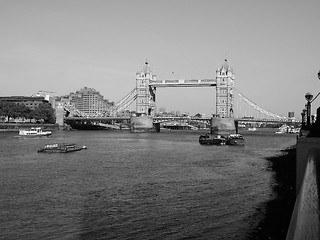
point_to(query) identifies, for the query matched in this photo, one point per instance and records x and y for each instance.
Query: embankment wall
(17, 126)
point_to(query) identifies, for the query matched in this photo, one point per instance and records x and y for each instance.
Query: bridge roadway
(120, 119)
(166, 119)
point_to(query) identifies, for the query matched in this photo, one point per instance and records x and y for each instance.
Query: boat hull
(60, 148)
(235, 139)
(235, 142)
(232, 139)
(211, 140)
(35, 135)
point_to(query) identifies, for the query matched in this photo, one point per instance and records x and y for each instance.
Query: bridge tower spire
(146, 94)
(224, 91)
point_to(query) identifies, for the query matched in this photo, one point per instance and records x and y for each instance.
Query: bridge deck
(159, 119)
(184, 83)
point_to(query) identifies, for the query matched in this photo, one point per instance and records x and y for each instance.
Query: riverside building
(31, 102)
(90, 101)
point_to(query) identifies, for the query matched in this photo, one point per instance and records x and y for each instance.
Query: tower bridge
(146, 85)
(230, 103)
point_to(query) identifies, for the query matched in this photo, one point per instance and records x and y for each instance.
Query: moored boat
(61, 148)
(206, 139)
(232, 139)
(34, 131)
(287, 129)
(235, 139)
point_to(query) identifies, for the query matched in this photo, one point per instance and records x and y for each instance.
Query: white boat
(283, 129)
(252, 129)
(287, 129)
(34, 131)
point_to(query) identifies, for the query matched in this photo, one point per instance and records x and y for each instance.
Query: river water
(134, 186)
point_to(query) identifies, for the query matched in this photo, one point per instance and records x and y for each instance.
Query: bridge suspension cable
(123, 103)
(243, 108)
(250, 109)
(119, 106)
(125, 99)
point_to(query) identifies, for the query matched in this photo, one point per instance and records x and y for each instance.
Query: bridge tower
(224, 91)
(146, 94)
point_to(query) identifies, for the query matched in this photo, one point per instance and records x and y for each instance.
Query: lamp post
(303, 118)
(308, 97)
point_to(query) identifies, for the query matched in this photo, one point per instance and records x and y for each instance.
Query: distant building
(31, 102)
(47, 96)
(162, 109)
(291, 114)
(90, 101)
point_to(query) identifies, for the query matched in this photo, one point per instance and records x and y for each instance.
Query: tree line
(44, 112)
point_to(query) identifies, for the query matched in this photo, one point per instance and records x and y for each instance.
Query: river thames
(135, 186)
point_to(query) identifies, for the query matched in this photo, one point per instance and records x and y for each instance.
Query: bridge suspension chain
(73, 111)
(259, 109)
(123, 103)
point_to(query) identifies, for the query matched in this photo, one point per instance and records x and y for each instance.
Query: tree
(46, 112)
(8, 109)
(27, 112)
(12, 110)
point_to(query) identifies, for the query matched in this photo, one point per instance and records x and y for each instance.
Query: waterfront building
(47, 96)
(90, 101)
(31, 102)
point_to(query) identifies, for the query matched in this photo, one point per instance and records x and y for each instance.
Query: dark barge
(61, 148)
(232, 139)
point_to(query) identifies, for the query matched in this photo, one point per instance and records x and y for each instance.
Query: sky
(64, 45)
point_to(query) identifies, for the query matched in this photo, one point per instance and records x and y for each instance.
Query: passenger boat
(235, 139)
(206, 139)
(61, 148)
(34, 131)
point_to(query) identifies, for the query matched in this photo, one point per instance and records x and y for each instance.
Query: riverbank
(8, 127)
(277, 212)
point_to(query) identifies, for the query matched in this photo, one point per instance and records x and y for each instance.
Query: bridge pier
(142, 123)
(59, 111)
(222, 126)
